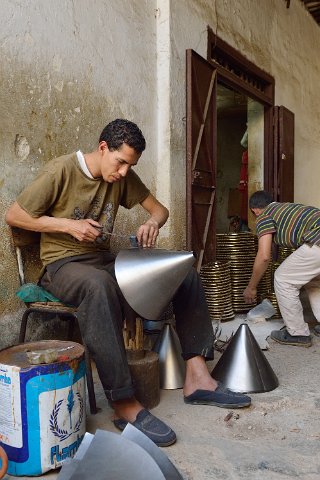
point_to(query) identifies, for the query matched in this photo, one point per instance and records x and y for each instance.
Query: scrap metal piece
(113, 456)
(228, 417)
(70, 464)
(166, 466)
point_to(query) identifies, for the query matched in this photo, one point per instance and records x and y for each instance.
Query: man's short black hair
(260, 199)
(121, 131)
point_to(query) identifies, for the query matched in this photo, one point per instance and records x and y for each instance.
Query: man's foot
(283, 337)
(220, 397)
(160, 433)
(316, 330)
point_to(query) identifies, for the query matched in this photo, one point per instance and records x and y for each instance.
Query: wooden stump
(143, 365)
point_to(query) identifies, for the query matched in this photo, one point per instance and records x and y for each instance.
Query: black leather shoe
(282, 336)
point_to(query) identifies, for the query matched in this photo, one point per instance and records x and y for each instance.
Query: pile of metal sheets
(108, 455)
(216, 280)
(239, 249)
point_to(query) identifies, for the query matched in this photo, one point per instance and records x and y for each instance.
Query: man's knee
(100, 281)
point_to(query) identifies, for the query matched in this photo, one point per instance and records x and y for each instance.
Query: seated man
(73, 202)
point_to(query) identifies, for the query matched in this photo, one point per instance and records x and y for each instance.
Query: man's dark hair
(260, 199)
(122, 131)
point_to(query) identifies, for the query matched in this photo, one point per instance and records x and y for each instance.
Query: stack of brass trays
(274, 266)
(284, 252)
(273, 299)
(216, 280)
(272, 296)
(240, 250)
(266, 283)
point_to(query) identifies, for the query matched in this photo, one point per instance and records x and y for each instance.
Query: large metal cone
(171, 364)
(243, 367)
(149, 277)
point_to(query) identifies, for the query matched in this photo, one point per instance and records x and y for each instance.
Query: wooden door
(201, 157)
(283, 169)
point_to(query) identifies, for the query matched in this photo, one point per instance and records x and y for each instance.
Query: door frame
(235, 71)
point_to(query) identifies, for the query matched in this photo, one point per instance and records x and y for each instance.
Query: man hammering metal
(73, 202)
(294, 226)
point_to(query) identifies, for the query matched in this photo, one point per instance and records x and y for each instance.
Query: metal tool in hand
(132, 238)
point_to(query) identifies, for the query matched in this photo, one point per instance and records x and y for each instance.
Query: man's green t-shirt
(63, 190)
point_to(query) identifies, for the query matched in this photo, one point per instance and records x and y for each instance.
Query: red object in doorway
(243, 187)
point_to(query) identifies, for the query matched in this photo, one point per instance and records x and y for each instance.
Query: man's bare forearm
(259, 268)
(85, 230)
(17, 217)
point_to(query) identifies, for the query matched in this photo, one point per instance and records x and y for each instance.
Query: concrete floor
(278, 437)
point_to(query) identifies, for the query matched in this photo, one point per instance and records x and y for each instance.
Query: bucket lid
(60, 351)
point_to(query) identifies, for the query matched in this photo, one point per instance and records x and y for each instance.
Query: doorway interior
(240, 158)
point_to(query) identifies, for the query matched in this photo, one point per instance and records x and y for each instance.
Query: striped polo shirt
(291, 224)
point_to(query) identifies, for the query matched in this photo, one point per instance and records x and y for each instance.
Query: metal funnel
(149, 277)
(171, 364)
(243, 366)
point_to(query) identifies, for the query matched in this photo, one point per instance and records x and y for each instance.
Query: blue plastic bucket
(43, 411)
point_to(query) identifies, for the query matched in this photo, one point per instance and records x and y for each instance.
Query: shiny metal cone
(243, 367)
(149, 277)
(171, 364)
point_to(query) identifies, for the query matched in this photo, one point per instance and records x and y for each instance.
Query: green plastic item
(30, 292)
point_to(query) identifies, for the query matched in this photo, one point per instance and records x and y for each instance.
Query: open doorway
(270, 140)
(240, 151)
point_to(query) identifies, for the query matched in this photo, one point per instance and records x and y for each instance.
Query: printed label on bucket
(42, 415)
(10, 411)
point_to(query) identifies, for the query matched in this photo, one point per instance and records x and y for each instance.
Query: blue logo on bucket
(54, 424)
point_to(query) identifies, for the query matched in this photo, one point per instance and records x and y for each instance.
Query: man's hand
(85, 230)
(260, 265)
(250, 294)
(148, 233)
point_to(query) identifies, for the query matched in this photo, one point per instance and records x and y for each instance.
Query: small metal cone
(243, 367)
(171, 363)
